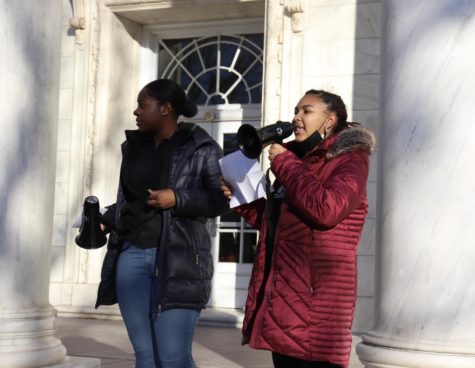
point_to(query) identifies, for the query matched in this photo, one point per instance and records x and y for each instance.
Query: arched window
(215, 70)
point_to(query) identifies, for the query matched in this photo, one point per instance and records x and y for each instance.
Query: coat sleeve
(108, 218)
(207, 201)
(252, 212)
(324, 203)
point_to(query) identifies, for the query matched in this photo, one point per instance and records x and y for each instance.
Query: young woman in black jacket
(169, 187)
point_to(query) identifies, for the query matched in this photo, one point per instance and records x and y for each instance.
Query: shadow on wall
(110, 83)
(123, 85)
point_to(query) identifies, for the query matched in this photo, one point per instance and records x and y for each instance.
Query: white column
(425, 308)
(29, 65)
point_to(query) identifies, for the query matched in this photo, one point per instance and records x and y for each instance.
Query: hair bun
(189, 109)
(167, 90)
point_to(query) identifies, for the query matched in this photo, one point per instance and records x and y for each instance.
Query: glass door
(234, 243)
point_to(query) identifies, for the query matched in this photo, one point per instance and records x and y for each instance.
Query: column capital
(296, 8)
(78, 21)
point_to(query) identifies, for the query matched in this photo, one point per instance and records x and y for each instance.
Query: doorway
(220, 66)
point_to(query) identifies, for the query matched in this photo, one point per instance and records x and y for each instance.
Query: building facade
(242, 62)
(71, 71)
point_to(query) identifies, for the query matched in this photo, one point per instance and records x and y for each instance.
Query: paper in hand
(245, 176)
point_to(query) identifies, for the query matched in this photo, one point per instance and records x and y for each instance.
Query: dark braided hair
(167, 90)
(335, 104)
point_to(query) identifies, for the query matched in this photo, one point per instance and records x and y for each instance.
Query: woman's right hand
(226, 188)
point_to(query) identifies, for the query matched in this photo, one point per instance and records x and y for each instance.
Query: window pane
(231, 217)
(209, 54)
(216, 100)
(250, 245)
(229, 247)
(197, 95)
(240, 94)
(230, 143)
(256, 94)
(227, 80)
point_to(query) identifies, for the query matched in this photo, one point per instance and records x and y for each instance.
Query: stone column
(29, 65)
(425, 307)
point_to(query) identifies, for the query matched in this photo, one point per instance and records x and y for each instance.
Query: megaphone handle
(268, 183)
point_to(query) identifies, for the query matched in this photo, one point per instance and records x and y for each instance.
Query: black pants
(283, 361)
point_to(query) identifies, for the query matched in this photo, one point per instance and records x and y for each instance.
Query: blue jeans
(165, 342)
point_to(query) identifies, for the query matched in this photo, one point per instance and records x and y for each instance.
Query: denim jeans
(165, 342)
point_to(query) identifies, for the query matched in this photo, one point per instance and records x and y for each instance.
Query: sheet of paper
(245, 176)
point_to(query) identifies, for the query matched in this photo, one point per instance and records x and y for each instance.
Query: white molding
(78, 22)
(295, 6)
(227, 113)
(294, 66)
(297, 9)
(208, 28)
(148, 57)
(272, 78)
(128, 5)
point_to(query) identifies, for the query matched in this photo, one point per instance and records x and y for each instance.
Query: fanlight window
(215, 70)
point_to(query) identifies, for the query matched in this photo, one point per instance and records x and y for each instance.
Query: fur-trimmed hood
(351, 139)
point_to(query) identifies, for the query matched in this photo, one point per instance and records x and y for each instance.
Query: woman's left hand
(164, 198)
(274, 150)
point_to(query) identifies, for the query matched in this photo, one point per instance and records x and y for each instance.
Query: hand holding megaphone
(251, 140)
(274, 150)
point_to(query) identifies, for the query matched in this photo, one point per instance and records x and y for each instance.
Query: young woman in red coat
(302, 291)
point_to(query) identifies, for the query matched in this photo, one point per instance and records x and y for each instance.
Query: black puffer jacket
(185, 262)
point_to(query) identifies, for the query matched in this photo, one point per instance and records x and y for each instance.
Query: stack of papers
(245, 176)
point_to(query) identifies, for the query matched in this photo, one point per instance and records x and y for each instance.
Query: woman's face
(311, 115)
(149, 112)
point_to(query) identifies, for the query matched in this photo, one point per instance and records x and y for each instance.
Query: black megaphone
(251, 141)
(90, 234)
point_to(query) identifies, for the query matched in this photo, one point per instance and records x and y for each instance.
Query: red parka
(310, 293)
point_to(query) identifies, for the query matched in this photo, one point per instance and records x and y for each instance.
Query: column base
(27, 339)
(77, 362)
(383, 357)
